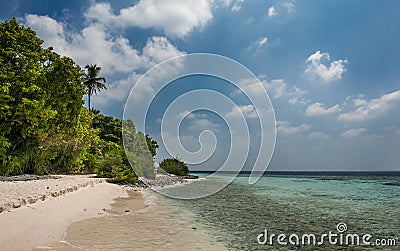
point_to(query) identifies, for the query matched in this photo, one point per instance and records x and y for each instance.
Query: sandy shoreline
(98, 216)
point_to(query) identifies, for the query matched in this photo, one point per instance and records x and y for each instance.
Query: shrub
(174, 166)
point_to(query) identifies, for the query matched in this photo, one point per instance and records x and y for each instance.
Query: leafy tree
(122, 162)
(174, 166)
(152, 145)
(92, 81)
(44, 127)
(41, 105)
(109, 128)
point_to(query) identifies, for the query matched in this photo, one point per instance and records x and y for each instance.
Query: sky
(331, 70)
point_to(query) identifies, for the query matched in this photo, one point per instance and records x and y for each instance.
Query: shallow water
(234, 217)
(302, 205)
(161, 225)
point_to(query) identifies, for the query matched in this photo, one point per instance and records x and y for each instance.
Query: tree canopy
(44, 127)
(174, 166)
(92, 81)
(41, 103)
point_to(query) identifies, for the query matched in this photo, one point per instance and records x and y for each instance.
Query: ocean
(283, 211)
(310, 211)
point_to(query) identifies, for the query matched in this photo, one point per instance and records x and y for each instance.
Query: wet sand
(143, 221)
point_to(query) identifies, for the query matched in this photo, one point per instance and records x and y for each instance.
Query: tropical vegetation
(92, 81)
(174, 166)
(44, 127)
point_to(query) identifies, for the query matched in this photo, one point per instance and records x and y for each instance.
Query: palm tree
(91, 80)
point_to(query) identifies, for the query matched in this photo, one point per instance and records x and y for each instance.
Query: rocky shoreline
(26, 177)
(163, 180)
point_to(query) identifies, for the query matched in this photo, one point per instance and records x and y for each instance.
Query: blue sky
(331, 68)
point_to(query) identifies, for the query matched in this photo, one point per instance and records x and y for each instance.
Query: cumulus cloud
(317, 135)
(315, 67)
(158, 49)
(95, 45)
(370, 109)
(353, 132)
(290, 7)
(283, 7)
(279, 88)
(186, 114)
(284, 127)
(318, 109)
(237, 5)
(272, 12)
(261, 42)
(175, 18)
(115, 54)
(247, 111)
(257, 46)
(204, 124)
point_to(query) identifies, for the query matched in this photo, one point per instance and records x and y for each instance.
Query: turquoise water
(302, 205)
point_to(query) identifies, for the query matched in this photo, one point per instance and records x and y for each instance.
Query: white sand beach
(78, 212)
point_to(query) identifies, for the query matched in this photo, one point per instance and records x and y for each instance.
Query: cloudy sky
(330, 68)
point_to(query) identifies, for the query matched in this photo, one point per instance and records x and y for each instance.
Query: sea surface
(251, 217)
(295, 204)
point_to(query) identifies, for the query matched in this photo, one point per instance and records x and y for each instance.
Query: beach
(79, 212)
(91, 214)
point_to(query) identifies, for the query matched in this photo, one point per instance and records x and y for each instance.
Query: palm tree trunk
(89, 100)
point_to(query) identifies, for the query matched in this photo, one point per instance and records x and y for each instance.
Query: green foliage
(137, 150)
(41, 105)
(109, 128)
(152, 145)
(44, 127)
(123, 164)
(91, 80)
(174, 166)
(113, 164)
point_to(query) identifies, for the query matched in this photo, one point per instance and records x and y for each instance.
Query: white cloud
(371, 109)
(317, 135)
(283, 7)
(279, 88)
(95, 45)
(204, 124)
(261, 42)
(257, 46)
(284, 127)
(293, 101)
(47, 28)
(318, 109)
(186, 114)
(315, 67)
(237, 6)
(353, 132)
(250, 86)
(118, 90)
(272, 12)
(290, 7)
(247, 111)
(158, 49)
(175, 18)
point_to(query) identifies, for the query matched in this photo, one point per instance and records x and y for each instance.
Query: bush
(174, 166)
